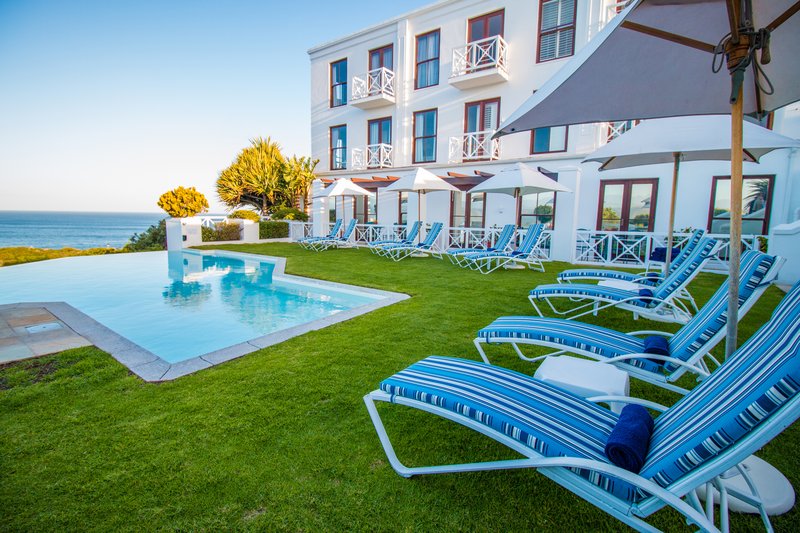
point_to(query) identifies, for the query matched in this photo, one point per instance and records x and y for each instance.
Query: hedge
(270, 229)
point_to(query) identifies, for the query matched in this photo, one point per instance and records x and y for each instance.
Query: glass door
(627, 205)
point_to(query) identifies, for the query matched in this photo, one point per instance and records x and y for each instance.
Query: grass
(23, 254)
(280, 439)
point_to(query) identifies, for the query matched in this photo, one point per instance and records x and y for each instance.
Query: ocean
(52, 229)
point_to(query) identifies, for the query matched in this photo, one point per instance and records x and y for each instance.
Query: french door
(627, 205)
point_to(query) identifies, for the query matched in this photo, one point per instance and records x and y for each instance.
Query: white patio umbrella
(518, 180)
(343, 187)
(672, 140)
(421, 181)
(655, 60)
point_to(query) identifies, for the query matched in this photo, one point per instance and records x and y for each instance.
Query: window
(379, 131)
(338, 138)
(537, 208)
(627, 205)
(556, 29)
(425, 136)
(402, 208)
(756, 205)
(426, 73)
(331, 210)
(480, 121)
(365, 209)
(486, 26)
(547, 140)
(381, 57)
(339, 83)
(467, 210)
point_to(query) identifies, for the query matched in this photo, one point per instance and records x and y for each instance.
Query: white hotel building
(428, 89)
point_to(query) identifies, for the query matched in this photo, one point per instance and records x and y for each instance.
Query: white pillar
(562, 245)
(319, 209)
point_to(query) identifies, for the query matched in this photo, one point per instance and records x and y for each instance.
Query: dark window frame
(556, 29)
(482, 104)
(485, 17)
(417, 62)
(566, 141)
(467, 209)
(380, 51)
(767, 210)
(400, 213)
(331, 149)
(333, 85)
(521, 214)
(414, 159)
(626, 201)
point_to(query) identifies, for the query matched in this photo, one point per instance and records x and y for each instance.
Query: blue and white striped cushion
(571, 335)
(688, 268)
(578, 290)
(547, 419)
(753, 383)
(607, 274)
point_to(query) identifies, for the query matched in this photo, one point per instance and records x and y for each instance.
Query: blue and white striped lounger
(644, 278)
(742, 406)
(687, 347)
(527, 254)
(664, 305)
(456, 255)
(398, 252)
(377, 247)
(306, 242)
(338, 242)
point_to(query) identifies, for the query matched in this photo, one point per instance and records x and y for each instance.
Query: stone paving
(33, 331)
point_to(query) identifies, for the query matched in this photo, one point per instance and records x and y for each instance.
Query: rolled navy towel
(630, 439)
(660, 254)
(645, 296)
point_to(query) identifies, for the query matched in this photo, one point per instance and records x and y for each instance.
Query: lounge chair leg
(477, 342)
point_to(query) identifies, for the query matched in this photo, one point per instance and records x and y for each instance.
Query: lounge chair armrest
(664, 358)
(628, 399)
(651, 332)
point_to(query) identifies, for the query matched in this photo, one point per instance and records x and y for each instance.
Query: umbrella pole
(734, 249)
(675, 169)
(419, 215)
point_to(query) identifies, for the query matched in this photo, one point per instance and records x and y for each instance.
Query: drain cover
(39, 328)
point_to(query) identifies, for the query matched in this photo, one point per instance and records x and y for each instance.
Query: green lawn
(280, 439)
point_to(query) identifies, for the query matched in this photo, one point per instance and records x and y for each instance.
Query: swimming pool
(181, 306)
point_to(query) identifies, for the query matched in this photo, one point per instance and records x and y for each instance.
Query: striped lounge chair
(336, 242)
(377, 247)
(688, 347)
(526, 254)
(739, 408)
(307, 242)
(661, 302)
(398, 252)
(456, 255)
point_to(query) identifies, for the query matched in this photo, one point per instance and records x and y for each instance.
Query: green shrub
(153, 238)
(273, 229)
(183, 202)
(245, 214)
(288, 213)
(223, 231)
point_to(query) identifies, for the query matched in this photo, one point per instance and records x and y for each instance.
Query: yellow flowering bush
(183, 202)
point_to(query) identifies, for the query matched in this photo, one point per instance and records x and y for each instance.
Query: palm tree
(299, 175)
(256, 178)
(758, 198)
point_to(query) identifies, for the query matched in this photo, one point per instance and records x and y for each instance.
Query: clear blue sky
(106, 104)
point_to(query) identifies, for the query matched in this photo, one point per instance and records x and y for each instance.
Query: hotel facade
(428, 89)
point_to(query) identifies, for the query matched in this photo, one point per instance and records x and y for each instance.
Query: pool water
(179, 305)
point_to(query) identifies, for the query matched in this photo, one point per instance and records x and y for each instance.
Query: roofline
(384, 24)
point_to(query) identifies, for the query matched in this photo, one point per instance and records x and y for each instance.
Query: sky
(105, 105)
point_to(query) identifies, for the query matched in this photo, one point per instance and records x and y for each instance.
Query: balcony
(480, 63)
(475, 146)
(375, 156)
(374, 89)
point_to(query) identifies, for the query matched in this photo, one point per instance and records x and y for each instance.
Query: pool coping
(152, 368)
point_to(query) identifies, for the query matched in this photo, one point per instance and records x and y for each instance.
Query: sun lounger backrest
(691, 243)
(430, 238)
(713, 316)
(691, 265)
(531, 238)
(413, 232)
(349, 230)
(749, 388)
(335, 229)
(505, 237)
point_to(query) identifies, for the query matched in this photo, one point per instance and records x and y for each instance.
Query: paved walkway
(34, 331)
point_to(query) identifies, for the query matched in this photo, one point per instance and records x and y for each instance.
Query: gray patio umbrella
(672, 140)
(518, 180)
(663, 58)
(421, 181)
(343, 187)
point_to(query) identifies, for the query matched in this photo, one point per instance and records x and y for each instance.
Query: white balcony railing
(377, 82)
(484, 54)
(475, 146)
(375, 156)
(615, 129)
(632, 249)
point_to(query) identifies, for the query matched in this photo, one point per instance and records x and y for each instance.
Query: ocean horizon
(72, 229)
